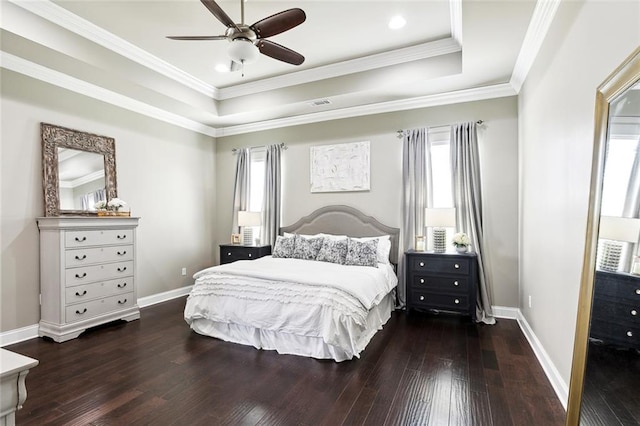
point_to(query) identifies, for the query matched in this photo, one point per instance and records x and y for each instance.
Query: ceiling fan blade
(220, 37)
(278, 23)
(279, 52)
(219, 14)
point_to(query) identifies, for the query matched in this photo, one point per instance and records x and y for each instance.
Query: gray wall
(165, 173)
(587, 41)
(499, 157)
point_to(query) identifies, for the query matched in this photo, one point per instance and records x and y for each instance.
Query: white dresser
(87, 273)
(13, 391)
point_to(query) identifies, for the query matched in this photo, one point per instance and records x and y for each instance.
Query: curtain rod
(401, 132)
(235, 150)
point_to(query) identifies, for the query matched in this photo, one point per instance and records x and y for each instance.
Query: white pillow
(306, 237)
(384, 247)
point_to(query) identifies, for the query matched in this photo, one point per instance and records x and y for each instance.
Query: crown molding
(455, 11)
(539, 25)
(458, 96)
(69, 21)
(56, 78)
(365, 63)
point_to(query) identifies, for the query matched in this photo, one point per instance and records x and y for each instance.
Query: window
(256, 184)
(442, 191)
(621, 151)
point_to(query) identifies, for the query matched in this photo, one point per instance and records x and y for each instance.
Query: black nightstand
(442, 281)
(232, 252)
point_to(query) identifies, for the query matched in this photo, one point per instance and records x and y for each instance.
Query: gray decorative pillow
(284, 247)
(362, 253)
(307, 248)
(333, 251)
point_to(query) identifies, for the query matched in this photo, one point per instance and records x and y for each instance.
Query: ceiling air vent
(320, 102)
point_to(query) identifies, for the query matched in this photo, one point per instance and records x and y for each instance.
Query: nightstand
(232, 252)
(442, 281)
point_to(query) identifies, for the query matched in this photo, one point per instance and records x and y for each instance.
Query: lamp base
(439, 240)
(609, 256)
(247, 236)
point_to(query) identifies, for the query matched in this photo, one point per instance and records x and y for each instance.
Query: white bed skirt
(293, 344)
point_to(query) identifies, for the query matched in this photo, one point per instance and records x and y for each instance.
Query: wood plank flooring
(421, 369)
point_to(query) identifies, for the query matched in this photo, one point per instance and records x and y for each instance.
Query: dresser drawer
(97, 307)
(89, 274)
(621, 313)
(440, 283)
(97, 238)
(88, 256)
(440, 265)
(86, 292)
(456, 303)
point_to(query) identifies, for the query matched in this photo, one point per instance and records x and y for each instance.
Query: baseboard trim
(505, 312)
(558, 384)
(31, 331)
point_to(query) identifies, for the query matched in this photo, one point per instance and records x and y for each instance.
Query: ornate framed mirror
(608, 324)
(78, 169)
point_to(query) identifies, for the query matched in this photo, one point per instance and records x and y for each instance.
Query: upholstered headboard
(345, 220)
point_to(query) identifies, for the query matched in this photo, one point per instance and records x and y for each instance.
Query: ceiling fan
(248, 41)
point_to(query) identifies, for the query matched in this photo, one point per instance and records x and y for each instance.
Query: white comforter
(300, 297)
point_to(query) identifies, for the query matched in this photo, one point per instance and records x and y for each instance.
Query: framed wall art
(340, 167)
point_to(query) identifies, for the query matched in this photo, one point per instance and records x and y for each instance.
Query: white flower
(116, 203)
(461, 239)
(100, 205)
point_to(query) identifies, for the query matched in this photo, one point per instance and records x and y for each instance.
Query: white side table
(13, 392)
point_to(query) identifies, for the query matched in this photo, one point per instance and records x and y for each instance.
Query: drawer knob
(122, 269)
(81, 276)
(634, 312)
(122, 237)
(122, 253)
(456, 283)
(630, 333)
(229, 254)
(122, 302)
(83, 311)
(84, 256)
(81, 294)
(421, 264)
(80, 240)
(637, 290)
(456, 266)
(123, 285)
(249, 254)
(457, 301)
(421, 297)
(421, 280)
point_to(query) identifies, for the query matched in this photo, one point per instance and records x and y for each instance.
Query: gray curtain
(467, 195)
(272, 195)
(416, 196)
(631, 208)
(241, 187)
(90, 199)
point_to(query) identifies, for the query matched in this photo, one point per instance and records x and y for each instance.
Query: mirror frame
(625, 76)
(54, 137)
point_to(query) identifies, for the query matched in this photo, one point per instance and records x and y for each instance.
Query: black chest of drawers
(232, 252)
(615, 315)
(442, 282)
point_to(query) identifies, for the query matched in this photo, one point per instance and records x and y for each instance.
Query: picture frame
(340, 167)
(420, 244)
(236, 238)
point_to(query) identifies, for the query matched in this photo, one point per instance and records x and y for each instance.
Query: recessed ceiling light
(397, 22)
(222, 68)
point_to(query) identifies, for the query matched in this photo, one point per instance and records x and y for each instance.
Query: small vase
(462, 249)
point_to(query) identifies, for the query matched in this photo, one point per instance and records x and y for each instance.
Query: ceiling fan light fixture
(243, 51)
(397, 22)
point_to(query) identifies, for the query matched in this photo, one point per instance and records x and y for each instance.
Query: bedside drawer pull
(634, 312)
(81, 276)
(122, 269)
(456, 266)
(421, 264)
(122, 237)
(421, 280)
(456, 283)
(83, 293)
(84, 256)
(80, 240)
(457, 301)
(229, 254)
(638, 291)
(122, 302)
(123, 285)
(421, 297)
(630, 333)
(83, 311)
(121, 253)
(249, 254)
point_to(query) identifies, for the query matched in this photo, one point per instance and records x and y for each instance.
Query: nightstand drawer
(440, 265)
(616, 333)
(441, 283)
(231, 253)
(456, 303)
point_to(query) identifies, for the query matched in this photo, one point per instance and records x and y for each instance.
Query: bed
(304, 299)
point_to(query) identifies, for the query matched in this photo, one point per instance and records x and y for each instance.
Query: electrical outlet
(184, 272)
(529, 300)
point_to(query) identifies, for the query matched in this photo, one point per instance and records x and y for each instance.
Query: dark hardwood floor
(419, 370)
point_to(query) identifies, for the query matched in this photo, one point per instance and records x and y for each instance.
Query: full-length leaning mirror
(606, 358)
(78, 169)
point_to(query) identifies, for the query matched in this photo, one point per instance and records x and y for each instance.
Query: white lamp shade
(246, 218)
(619, 228)
(243, 51)
(440, 217)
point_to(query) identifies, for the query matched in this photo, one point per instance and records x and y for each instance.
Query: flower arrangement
(100, 205)
(111, 208)
(461, 240)
(115, 204)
